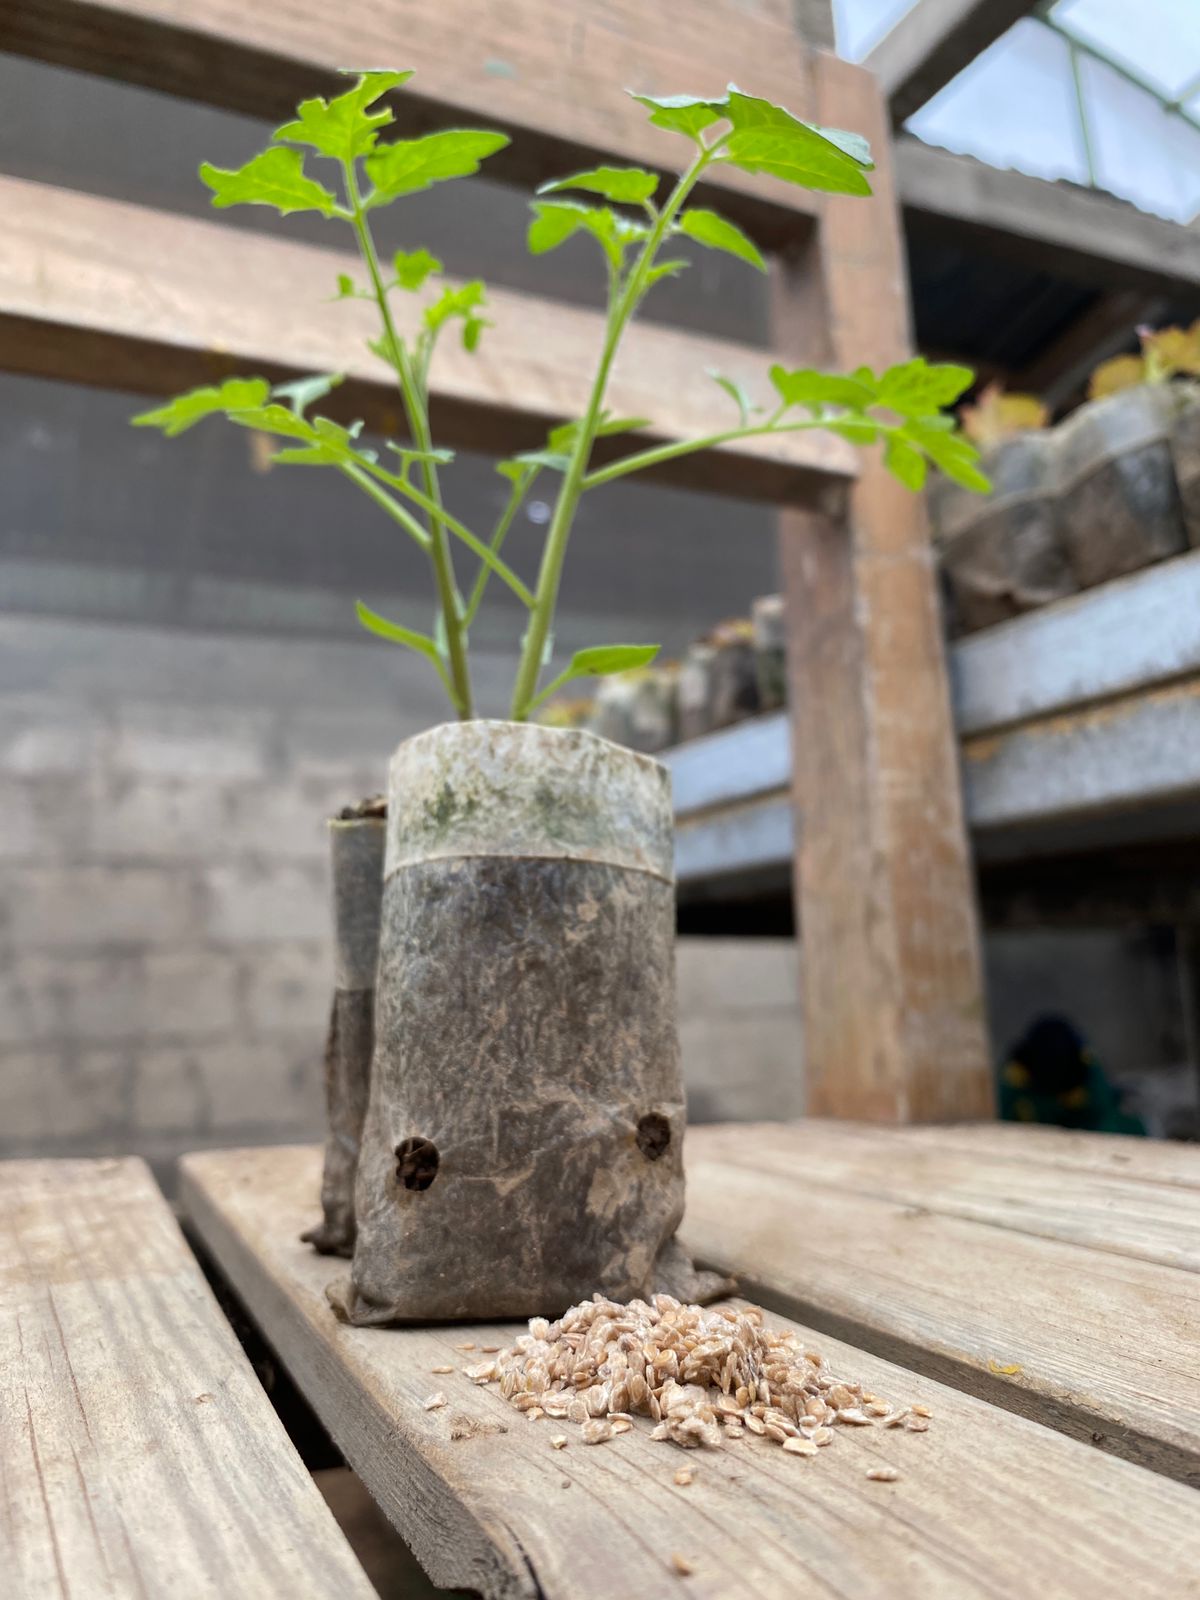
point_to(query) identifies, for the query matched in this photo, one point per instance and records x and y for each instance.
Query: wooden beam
(1106, 328)
(892, 988)
(551, 73)
(93, 291)
(1072, 232)
(932, 43)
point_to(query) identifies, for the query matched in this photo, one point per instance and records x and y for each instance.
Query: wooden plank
(1059, 373)
(1137, 632)
(138, 1452)
(1156, 1161)
(1094, 237)
(1099, 1345)
(892, 988)
(985, 1498)
(94, 291)
(1017, 1185)
(550, 73)
(932, 43)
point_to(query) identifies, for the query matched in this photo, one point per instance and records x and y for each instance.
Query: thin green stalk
(621, 308)
(472, 541)
(687, 447)
(499, 534)
(405, 518)
(418, 423)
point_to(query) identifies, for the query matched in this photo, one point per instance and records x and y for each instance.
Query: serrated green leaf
(680, 113)
(797, 154)
(561, 439)
(275, 178)
(806, 387)
(302, 392)
(708, 228)
(413, 164)
(414, 266)
(554, 459)
(735, 392)
(625, 185)
(854, 144)
(556, 220)
(915, 389)
(396, 634)
(905, 463)
(464, 301)
(274, 418)
(951, 452)
(185, 410)
(346, 287)
(343, 128)
(515, 470)
(856, 430)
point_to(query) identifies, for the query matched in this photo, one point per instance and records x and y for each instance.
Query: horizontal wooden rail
(549, 72)
(95, 291)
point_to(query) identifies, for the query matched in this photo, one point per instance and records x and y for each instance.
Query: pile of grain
(704, 1377)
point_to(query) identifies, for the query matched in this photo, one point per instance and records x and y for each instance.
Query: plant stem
(623, 303)
(499, 534)
(687, 447)
(405, 518)
(486, 553)
(443, 565)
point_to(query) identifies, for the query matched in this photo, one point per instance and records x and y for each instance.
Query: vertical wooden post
(891, 982)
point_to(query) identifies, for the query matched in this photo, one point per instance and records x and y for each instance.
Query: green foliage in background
(904, 408)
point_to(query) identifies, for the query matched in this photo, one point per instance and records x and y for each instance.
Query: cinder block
(156, 819)
(268, 1084)
(43, 736)
(132, 998)
(254, 901)
(88, 907)
(53, 1094)
(184, 741)
(169, 1091)
(719, 975)
(287, 987)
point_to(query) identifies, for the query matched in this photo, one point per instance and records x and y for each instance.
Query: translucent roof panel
(1158, 39)
(860, 24)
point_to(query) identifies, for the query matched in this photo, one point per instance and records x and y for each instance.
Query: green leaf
(707, 228)
(905, 463)
(736, 393)
(806, 387)
(282, 420)
(561, 440)
(950, 451)
(665, 269)
(346, 287)
(599, 662)
(302, 392)
(395, 634)
(274, 177)
(556, 220)
(626, 185)
(439, 458)
(797, 154)
(856, 430)
(914, 388)
(554, 459)
(465, 302)
(681, 113)
(413, 164)
(185, 410)
(414, 266)
(343, 128)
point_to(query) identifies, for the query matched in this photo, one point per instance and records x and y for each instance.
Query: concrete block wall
(164, 954)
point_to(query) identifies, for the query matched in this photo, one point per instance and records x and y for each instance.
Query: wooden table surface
(1038, 1293)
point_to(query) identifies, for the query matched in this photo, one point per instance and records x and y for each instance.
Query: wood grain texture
(550, 73)
(892, 988)
(985, 1498)
(1017, 1185)
(94, 291)
(139, 1456)
(1150, 1161)
(1098, 1344)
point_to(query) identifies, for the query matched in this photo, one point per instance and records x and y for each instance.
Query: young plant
(996, 417)
(904, 407)
(1166, 353)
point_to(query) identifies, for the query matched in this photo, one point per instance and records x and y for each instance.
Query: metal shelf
(1079, 724)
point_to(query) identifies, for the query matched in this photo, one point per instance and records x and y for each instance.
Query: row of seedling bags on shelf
(735, 671)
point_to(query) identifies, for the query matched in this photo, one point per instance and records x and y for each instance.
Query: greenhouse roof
(1101, 92)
